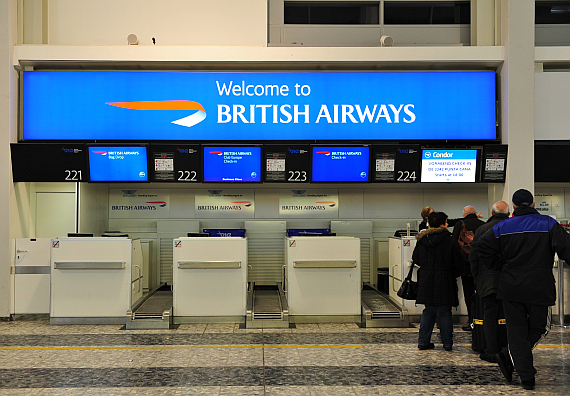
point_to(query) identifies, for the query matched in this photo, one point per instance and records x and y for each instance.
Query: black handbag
(409, 288)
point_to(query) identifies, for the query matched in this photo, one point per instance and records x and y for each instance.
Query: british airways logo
(164, 105)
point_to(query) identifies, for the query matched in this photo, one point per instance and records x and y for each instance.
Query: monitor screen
(232, 164)
(177, 163)
(340, 164)
(287, 163)
(48, 162)
(118, 164)
(449, 166)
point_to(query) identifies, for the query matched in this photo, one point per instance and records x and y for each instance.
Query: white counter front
(91, 279)
(209, 278)
(323, 276)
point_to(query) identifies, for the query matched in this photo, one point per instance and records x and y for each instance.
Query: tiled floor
(224, 359)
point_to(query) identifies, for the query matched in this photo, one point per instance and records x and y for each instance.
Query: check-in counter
(323, 280)
(209, 279)
(30, 276)
(400, 252)
(92, 279)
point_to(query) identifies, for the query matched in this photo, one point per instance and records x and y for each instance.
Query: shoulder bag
(409, 288)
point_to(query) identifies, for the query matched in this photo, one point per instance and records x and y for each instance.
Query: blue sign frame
(258, 106)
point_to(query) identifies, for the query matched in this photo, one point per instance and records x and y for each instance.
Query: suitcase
(478, 333)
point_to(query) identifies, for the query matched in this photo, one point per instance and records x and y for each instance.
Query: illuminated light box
(232, 164)
(340, 164)
(258, 106)
(449, 166)
(118, 163)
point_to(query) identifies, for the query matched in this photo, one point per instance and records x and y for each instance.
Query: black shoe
(424, 347)
(505, 365)
(466, 328)
(448, 347)
(488, 358)
(528, 384)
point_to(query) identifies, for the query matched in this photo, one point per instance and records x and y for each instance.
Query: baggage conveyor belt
(379, 310)
(153, 312)
(267, 307)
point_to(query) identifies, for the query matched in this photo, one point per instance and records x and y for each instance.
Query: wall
(371, 201)
(8, 126)
(173, 22)
(93, 208)
(551, 98)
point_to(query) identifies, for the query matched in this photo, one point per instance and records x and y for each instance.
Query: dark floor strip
(266, 376)
(76, 340)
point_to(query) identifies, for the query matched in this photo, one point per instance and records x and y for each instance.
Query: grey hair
(495, 209)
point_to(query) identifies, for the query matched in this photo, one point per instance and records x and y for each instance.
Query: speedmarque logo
(191, 120)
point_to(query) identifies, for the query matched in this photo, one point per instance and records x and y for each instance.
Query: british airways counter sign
(258, 106)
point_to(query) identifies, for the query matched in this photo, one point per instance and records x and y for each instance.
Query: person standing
(462, 231)
(440, 262)
(523, 248)
(487, 283)
(424, 213)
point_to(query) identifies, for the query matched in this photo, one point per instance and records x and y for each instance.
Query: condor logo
(191, 120)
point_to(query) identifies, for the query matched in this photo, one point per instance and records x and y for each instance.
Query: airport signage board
(308, 203)
(139, 204)
(259, 106)
(225, 203)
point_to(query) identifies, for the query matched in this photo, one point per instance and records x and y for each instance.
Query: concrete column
(517, 93)
(8, 131)
(482, 22)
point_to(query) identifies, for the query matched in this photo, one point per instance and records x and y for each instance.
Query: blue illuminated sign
(121, 164)
(258, 106)
(338, 164)
(232, 164)
(449, 166)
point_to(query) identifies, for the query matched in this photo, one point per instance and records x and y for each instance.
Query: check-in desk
(400, 251)
(209, 279)
(30, 276)
(323, 280)
(94, 280)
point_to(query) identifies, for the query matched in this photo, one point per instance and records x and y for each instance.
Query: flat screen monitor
(118, 164)
(175, 163)
(494, 163)
(449, 165)
(340, 163)
(232, 164)
(287, 163)
(48, 162)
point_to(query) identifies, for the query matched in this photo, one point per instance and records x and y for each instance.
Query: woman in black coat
(439, 257)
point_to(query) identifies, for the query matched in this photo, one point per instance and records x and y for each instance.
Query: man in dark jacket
(440, 262)
(471, 223)
(523, 248)
(487, 283)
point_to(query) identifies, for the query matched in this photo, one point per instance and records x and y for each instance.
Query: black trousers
(491, 309)
(527, 324)
(468, 284)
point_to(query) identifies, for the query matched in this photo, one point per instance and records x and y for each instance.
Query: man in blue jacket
(523, 248)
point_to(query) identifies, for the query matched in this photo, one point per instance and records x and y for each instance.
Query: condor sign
(258, 106)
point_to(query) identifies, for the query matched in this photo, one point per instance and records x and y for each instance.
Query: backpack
(465, 239)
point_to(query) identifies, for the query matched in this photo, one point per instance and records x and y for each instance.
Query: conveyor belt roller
(379, 310)
(153, 312)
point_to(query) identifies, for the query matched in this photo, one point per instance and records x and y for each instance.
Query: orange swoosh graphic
(160, 105)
